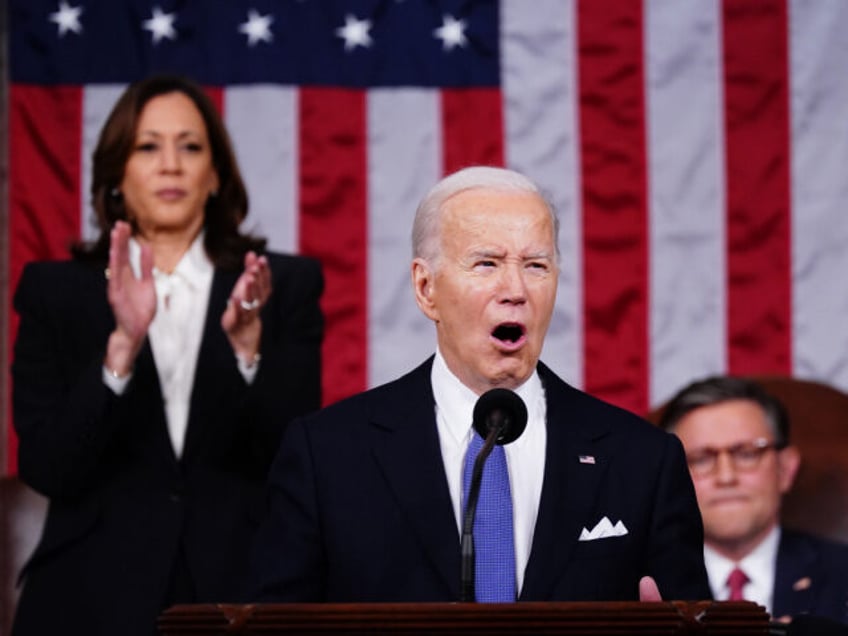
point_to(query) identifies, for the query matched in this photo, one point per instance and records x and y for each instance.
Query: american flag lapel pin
(586, 459)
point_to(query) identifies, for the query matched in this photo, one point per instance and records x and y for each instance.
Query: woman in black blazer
(154, 374)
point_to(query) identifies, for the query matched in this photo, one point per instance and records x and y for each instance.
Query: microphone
(500, 417)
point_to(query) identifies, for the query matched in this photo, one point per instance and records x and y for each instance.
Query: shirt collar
(754, 564)
(456, 401)
(194, 267)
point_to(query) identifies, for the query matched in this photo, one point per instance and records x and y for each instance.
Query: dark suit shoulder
(390, 404)
(593, 415)
(62, 270)
(295, 262)
(60, 283)
(301, 275)
(832, 553)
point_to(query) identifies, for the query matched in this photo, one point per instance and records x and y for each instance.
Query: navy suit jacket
(811, 577)
(121, 504)
(360, 509)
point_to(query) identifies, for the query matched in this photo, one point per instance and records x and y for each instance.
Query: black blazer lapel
(569, 490)
(794, 584)
(144, 405)
(405, 445)
(145, 385)
(216, 373)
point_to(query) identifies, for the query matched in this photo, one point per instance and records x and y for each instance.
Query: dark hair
(718, 389)
(224, 212)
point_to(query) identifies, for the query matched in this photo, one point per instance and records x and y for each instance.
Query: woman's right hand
(133, 301)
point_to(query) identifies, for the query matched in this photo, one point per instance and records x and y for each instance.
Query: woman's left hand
(241, 321)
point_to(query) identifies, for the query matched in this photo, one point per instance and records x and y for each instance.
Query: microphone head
(500, 409)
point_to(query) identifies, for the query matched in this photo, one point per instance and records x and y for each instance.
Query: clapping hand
(133, 300)
(241, 321)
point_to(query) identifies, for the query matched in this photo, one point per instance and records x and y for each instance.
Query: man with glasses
(736, 438)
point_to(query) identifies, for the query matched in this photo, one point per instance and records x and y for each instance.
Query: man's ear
(789, 461)
(422, 284)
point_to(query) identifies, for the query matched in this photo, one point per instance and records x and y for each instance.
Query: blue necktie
(494, 547)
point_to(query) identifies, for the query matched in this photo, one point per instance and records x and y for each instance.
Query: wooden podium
(736, 618)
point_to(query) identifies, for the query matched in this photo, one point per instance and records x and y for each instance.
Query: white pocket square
(604, 529)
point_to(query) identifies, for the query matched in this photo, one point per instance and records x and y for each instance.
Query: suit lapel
(794, 584)
(210, 377)
(574, 469)
(145, 383)
(405, 445)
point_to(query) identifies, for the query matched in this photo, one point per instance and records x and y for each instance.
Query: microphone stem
(467, 540)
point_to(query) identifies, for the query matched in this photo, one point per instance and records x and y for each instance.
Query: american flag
(696, 151)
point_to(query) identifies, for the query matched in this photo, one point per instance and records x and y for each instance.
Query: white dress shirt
(182, 298)
(759, 566)
(525, 456)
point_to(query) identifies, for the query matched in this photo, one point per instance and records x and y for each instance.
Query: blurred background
(695, 151)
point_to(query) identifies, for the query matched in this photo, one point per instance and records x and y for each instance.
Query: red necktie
(736, 581)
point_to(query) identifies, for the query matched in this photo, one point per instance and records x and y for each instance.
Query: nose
(513, 285)
(170, 158)
(725, 471)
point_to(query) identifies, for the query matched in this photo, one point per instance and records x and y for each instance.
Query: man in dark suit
(366, 495)
(736, 437)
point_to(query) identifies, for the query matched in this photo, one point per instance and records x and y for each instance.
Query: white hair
(425, 228)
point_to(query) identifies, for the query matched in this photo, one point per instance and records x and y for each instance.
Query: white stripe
(540, 96)
(819, 103)
(686, 193)
(263, 124)
(404, 161)
(97, 103)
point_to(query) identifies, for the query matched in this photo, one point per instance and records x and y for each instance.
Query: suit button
(175, 497)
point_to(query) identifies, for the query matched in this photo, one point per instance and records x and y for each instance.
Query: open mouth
(509, 332)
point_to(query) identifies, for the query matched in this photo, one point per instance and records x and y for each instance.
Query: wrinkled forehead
(481, 209)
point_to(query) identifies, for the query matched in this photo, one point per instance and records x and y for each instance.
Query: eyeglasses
(745, 456)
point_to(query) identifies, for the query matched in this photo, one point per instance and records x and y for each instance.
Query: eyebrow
(493, 253)
(181, 135)
(488, 253)
(537, 256)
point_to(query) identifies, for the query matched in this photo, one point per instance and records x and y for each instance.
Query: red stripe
(758, 190)
(45, 133)
(615, 230)
(333, 227)
(216, 94)
(472, 127)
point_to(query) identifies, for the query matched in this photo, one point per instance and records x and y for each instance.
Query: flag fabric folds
(695, 151)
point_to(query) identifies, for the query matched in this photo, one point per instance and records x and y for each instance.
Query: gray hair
(425, 228)
(723, 388)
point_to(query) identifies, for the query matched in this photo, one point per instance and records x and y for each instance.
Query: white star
(68, 18)
(257, 28)
(161, 25)
(451, 33)
(355, 32)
